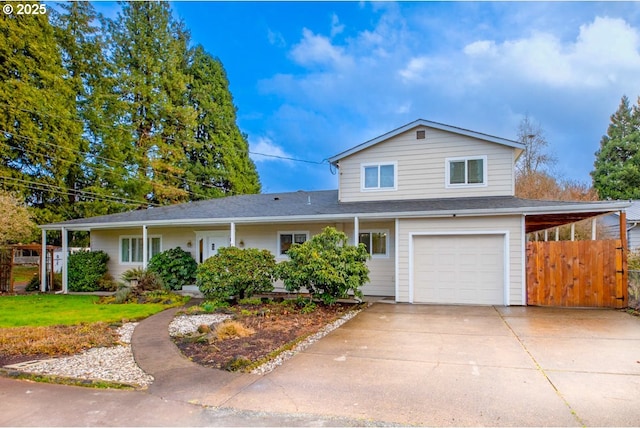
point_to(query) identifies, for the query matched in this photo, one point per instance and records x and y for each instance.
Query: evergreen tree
(149, 56)
(39, 131)
(616, 173)
(218, 159)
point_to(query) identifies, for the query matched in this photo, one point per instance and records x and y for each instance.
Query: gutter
(341, 216)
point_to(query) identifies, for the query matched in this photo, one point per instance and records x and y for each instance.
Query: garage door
(459, 269)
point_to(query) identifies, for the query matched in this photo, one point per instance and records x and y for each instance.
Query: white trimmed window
(286, 239)
(379, 176)
(466, 171)
(376, 241)
(131, 248)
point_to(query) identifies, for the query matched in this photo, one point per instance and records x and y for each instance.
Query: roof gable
(434, 125)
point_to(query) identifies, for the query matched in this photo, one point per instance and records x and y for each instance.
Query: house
(611, 224)
(433, 203)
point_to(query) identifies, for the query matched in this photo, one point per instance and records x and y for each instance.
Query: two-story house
(434, 204)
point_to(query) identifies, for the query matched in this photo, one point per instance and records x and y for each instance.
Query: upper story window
(379, 176)
(376, 241)
(131, 248)
(467, 171)
(286, 239)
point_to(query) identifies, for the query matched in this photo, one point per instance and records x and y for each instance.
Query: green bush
(142, 280)
(34, 283)
(87, 270)
(235, 272)
(176, 267)
(326, 266)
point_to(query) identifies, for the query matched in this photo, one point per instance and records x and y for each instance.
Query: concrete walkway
(405, 364)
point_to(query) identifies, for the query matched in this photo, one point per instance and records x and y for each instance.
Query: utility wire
(166, 138)
(35, 185)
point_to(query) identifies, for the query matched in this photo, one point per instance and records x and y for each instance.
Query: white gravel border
(284, 356)
(116, 363)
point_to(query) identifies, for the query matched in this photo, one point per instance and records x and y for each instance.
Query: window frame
(378, 188)
(150, 254)
(371, 232)
(466, 159)
(279, 253)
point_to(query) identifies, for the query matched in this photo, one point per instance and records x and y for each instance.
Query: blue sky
(311, 79)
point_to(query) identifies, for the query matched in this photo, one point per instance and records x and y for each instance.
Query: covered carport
(591, 273)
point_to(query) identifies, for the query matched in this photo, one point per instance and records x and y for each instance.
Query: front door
(209, 243)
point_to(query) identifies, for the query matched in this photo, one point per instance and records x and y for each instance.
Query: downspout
(635, 223)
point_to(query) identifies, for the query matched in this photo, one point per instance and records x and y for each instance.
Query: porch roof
(324, 205)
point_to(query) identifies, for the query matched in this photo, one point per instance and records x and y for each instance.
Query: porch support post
(145, 247)
(594, 224)
(573, 231)
(546, 235)
(356, 230)
(232, 235)
(65, 263)
(557, 233)
(43, 262)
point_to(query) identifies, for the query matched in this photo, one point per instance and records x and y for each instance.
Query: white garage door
(459, 269)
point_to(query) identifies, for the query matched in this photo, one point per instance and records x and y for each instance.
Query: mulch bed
(275, 325)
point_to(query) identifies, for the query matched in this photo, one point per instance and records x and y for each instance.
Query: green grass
(51, 309)
(24, 273)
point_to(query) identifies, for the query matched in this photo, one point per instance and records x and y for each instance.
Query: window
(379, 176)
(470, 171)
(286, 239)
(376, 241)
(131, 248)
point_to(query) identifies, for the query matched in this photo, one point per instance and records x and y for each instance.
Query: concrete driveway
(456, 365)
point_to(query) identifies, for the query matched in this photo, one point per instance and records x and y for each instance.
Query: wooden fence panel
(576, 274)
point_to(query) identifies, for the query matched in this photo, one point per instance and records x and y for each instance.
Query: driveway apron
(463, 365)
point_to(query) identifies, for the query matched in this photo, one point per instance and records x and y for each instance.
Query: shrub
(34, 283)
(87, 270)
(231, 330)
(176, 267)
(143, 280)
(326, 266)
(235, 272)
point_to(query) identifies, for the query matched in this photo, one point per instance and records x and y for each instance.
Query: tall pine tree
(616, 173)
(218, 159)
(149, 52)
(40, 133)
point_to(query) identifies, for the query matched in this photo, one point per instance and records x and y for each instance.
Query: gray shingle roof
(319, 205)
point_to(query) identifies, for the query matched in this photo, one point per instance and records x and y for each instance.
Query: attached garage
(459, 268)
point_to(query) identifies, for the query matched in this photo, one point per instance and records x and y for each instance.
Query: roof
(435, 125)
(324, 206)
(633, 211)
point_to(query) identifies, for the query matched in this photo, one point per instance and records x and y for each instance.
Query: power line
(35, 185)
(110, 171)
(168, 138)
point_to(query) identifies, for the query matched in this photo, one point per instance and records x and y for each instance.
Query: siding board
(421, 167)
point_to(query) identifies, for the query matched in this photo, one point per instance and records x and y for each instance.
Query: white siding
(250, 236)
(510, 224)
(421, 167)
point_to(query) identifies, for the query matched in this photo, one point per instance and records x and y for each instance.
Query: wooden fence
(577, 274)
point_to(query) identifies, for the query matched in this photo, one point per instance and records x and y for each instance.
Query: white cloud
(317, 50)
(604, 52)
(336, 27)
(275, 38)
(264, 150)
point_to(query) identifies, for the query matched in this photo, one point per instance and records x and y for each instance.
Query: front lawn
(48, 325)
(55, 309)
